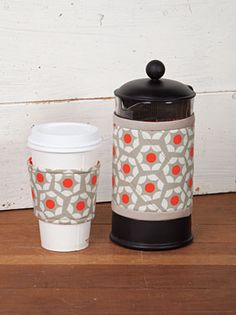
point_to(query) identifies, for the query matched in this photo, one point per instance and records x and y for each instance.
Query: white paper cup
(64, 146)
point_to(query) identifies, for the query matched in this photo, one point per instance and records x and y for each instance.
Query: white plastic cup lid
(64, 137)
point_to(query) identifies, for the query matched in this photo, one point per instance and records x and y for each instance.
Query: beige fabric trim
(150, 216)
(159, 125)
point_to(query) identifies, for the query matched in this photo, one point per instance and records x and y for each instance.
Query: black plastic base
(151, 235)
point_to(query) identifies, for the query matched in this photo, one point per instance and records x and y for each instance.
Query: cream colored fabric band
(149, 126)
(150, 216)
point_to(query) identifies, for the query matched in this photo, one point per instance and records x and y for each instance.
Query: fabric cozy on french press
(153, 138)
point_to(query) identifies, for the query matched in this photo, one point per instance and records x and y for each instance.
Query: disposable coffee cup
(64, 146)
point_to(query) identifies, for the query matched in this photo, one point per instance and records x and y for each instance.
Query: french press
(153, 137)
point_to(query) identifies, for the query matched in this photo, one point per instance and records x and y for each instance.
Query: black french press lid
(155, 88)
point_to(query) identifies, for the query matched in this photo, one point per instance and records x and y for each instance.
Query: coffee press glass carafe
(152, 177)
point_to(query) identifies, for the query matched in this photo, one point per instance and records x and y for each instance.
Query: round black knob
(155, 69)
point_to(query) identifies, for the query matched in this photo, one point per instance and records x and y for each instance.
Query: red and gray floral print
(153, 169)
(64, 196)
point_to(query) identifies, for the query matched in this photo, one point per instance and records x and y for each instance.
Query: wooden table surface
(108, 279)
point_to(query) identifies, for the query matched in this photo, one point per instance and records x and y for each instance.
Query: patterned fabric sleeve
(64, 196)
(153, 169)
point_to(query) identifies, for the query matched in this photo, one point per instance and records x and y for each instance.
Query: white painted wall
(63, 50)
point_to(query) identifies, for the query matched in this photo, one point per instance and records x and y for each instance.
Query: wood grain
(114, 277)
(108, 279)
(118, 301)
